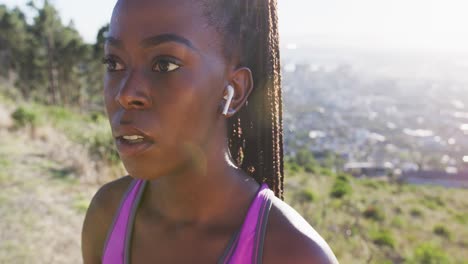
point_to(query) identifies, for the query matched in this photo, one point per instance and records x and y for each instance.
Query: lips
(131, 141)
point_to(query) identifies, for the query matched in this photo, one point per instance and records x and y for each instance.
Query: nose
(134, 93)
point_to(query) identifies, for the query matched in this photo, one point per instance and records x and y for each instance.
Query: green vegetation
(305, 196)
(383, 238)
(429, 254)
(416, 212)
(81, 204)
(24, 117)
(304, 160)
(442, 231)
(91, 130)
(326, 171)
(341, 187)
(397, 222)
(47, 61)
(462, 218)
(374, 213)
(433, 202)
(4, 163)
(383, 222)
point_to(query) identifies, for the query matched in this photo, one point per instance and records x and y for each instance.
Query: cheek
(109, 93)
(190, 104)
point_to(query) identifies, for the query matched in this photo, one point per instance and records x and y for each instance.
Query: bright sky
(440, 25)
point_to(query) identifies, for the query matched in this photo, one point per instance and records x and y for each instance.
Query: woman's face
(164, 83)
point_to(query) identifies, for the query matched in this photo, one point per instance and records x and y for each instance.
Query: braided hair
(255, 133)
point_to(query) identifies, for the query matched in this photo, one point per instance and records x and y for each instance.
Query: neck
(203, 191)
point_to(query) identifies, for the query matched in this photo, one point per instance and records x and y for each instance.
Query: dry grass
(46, 188)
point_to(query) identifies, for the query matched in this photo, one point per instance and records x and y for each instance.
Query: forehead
(136, 20)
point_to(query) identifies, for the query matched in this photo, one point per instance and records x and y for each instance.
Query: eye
(165, 65)
(113, 64)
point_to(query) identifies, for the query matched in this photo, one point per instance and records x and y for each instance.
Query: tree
(14, 36)
(49, 61)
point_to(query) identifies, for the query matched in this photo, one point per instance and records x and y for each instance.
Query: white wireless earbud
(228, 97)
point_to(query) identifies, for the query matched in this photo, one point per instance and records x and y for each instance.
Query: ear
(242, 82)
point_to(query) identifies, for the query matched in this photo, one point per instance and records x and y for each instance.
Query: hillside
(50, 172)
(380, 222)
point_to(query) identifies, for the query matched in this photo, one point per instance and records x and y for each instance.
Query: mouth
(132, 145)
(132, 139)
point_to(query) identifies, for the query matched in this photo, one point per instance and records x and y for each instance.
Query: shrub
(344, 177)
(291, 167)
(100, 143)
(374, 184)
(374, 213)
(383, 238)
(24, 117)
(97, 117)
(310, 168)
(305, 196)
(326, 171)
(416, 212)
(304, 157)
(60, 114)
(397, 210)
(442, 231)
(429, 254)
(340, 188)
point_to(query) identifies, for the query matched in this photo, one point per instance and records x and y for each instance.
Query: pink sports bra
(246, 246)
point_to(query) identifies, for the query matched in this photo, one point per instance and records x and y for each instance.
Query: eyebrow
(154, 41)
(163, 38)
(113, 42)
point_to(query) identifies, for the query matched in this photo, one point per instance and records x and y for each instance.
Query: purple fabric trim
(230, 249)
(261, 229)
(131, 222)
(109, 231)
(114, 251)
(260, 219)
(246, 246)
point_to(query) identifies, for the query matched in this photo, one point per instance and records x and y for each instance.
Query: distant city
(381, 120)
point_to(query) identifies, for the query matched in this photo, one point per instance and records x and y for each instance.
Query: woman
(193, 96)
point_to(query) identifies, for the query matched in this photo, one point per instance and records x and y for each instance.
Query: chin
(156, 171)
(137, 172)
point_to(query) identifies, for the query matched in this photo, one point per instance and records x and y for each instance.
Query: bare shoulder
(99, 218)
(290, 239)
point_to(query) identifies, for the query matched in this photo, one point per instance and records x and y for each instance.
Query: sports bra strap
(248, 247)
(245, 247)
(114, 250)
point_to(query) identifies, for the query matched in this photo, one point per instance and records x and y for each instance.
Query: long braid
(256, 131)
(277, 97)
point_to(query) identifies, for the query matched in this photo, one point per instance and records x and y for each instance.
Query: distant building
(368, 169)
(441, 178)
